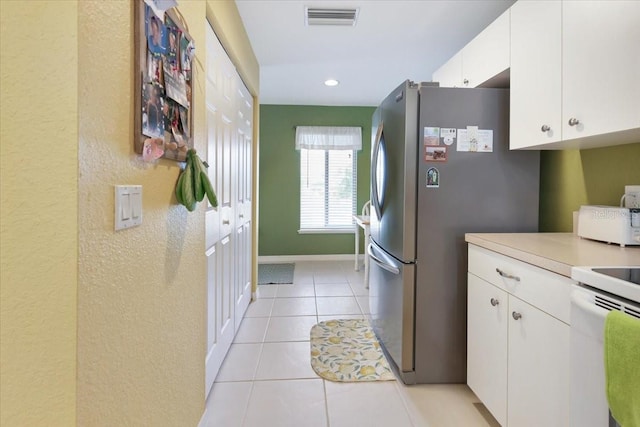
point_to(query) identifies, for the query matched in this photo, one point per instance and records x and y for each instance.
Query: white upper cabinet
(487, 55)
(601, 67)
(450, 74)
(483, 58)
(536, 73)
(574, 71)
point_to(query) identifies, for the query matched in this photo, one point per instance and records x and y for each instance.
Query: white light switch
(128, 209)
(136, 205)
(125, 206)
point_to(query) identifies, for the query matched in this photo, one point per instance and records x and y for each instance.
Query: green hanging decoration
(193, 183)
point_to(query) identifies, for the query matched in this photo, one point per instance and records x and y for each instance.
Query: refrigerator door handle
(382, 263)
(375, 197)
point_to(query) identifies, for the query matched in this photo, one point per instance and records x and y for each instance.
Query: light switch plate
(128, 210)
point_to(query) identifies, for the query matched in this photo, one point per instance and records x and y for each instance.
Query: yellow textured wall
(38, 228)
(98, 327)
(142, 291)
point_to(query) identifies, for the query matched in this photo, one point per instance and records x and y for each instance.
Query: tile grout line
(403, 399)
(324, 383)
(246, 407)
(253, 379)
(326, 402)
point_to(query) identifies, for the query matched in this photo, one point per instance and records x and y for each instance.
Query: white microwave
(610, 224)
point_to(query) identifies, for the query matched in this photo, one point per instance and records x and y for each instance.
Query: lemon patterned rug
(347, 350)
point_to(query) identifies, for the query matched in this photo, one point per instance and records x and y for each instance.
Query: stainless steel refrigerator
(441, 167)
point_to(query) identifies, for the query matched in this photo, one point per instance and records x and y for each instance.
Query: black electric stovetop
(631, 275)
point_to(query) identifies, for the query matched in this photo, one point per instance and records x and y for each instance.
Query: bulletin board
(163, 83)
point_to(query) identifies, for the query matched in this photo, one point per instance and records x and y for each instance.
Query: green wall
(279, 177)
(572, 178)
(568, 179)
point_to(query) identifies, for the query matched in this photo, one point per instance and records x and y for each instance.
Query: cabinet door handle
(241, 216)
(507, 276)
(466, 82)
(225, 221)
(516, 315)
(494, 302)
(573, 121)
(545, 128)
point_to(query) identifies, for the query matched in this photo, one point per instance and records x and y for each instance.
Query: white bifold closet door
(228, 227)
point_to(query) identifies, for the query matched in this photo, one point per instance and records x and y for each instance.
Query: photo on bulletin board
(155, 32)
(152, 107)
(164, 75)
(173, 40)
(186, 47)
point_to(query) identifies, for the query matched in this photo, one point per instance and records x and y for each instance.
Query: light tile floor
(266, 379)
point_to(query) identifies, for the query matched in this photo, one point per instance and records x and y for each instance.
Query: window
(328, 177)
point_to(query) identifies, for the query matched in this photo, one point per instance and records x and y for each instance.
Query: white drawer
(541, 288)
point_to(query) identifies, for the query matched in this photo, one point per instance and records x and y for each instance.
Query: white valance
(328, 138)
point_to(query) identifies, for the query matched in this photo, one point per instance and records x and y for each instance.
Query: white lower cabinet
(538, 374)
(517, 353)
(487, 312)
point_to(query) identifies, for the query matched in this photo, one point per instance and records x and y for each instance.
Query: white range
(601, 290)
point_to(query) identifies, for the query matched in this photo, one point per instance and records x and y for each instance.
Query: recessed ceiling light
(331, 82)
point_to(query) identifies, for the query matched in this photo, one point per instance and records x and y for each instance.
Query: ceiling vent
(318, 16)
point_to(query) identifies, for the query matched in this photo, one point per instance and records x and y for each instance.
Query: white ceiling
(393, 40)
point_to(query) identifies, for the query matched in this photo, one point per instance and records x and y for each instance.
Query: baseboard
(274, 259)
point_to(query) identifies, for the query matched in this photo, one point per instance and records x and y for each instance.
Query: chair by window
(362, 221)
(366, 208)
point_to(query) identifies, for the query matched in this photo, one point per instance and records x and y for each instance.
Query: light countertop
(556, 252)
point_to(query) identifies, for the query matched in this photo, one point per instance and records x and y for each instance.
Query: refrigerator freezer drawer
(391, 302)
